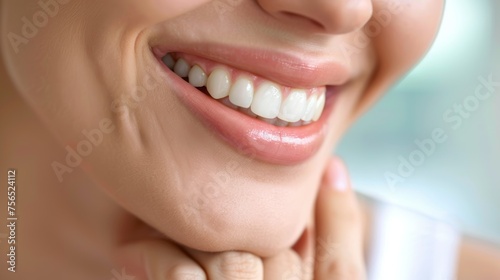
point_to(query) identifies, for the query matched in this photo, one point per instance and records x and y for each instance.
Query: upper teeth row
(265, 101)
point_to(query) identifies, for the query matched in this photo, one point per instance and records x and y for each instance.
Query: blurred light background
(461, 179)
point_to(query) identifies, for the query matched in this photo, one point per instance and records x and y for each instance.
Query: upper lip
(292, 69)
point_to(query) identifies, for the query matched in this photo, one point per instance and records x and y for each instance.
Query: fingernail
(338, 176)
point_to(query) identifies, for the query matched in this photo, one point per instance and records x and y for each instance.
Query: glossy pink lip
(252, 137)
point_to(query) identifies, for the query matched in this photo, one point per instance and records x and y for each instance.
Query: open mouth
(260, 114)
(247, 93)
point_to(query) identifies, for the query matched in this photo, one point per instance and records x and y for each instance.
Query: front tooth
(310, 108)
(181, 68)
(281, 123)
(169, 61)
(267, 100)
(218, 83)
(226, 102)
(269, 121)
(248, 112)
(197, 76)
(294, 106)
(319, 107)
(295, 124)
(241, 93)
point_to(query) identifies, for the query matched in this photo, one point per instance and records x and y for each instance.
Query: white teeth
(247, 111)
(294, 106)
(197, 77)
(320, 104)
(281, 123)
(310, 108)
(267, 100)
(295, 124)
(218, 83)
(226, 102)
(181, 68)
(169, 61)
(241, 93)
(272, 121)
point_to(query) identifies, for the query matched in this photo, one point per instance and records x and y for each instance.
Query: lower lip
(250, 136)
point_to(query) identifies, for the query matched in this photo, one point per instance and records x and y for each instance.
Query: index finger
(339, 227)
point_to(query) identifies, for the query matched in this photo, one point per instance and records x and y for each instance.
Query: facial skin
(159, 160)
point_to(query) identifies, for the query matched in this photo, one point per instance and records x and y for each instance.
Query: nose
(330, 16)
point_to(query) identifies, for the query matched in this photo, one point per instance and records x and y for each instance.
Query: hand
(333, 252)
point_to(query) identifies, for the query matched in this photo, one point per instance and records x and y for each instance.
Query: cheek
(155, 11)
(410, 28)
(41, 33)
(401, 32)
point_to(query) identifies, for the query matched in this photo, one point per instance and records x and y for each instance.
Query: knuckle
(286, 265)
(295, 267)
(185, 272)
(240, 265)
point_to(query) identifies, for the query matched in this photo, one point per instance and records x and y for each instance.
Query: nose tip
(331, 16)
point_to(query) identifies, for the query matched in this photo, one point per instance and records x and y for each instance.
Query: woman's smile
(280, 123)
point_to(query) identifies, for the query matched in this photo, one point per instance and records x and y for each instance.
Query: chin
(229, 202)
(250, 228)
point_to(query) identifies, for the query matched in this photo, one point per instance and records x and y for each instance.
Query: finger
(305, 244)
(285, 266)
(230, 265)
(339, 227)
(304, 248)
(157, 260)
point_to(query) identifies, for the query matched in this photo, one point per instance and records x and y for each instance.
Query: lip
(292, 69)
(252, 137)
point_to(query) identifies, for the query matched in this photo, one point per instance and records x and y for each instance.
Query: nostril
(298, 16)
